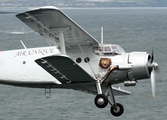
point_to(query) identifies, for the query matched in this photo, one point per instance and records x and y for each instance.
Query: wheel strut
(98, 87)
(116, 108)
(101, 100)
(112, 97)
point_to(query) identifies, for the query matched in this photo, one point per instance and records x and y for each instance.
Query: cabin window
(78, 60)
(107, 49)
(87, 59)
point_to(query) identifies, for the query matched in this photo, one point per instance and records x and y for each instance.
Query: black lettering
(35, 52)
(21, 53)
(30, 52)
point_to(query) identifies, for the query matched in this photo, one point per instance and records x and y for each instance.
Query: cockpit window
(115, 49)
(108, 49)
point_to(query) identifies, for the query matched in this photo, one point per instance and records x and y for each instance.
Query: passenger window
(107, 49)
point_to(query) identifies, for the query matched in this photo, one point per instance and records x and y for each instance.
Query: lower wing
(72, 76)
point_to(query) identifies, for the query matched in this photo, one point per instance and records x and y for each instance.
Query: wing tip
(39, 8)
(46, 7)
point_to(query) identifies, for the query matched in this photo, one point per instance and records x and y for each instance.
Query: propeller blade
(153, 83)
(152, 55)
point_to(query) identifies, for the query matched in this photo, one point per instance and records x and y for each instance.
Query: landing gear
(101, 101)
(118, 111)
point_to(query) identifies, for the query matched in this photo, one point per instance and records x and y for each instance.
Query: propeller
(153, 66)
(152, 55)
(153, 83)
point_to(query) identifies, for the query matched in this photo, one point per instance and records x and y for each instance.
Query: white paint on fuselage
(20, 66)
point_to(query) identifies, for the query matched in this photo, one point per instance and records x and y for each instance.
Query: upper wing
(49, 22)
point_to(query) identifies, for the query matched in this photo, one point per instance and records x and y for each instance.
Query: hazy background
(84, 3)
(134, 29)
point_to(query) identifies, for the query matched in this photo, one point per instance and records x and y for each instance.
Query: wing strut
(85, 56)
(62, 43)
(23, 44)
(101, 35)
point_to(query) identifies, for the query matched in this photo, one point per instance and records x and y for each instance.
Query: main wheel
(101, 101)
(119, 111)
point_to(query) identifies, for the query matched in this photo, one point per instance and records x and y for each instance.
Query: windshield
(109, 49)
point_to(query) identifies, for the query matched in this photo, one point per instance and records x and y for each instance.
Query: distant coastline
(85, 3)
(4, 12)
(7, 10)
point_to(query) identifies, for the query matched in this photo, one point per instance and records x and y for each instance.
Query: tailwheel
(101, 101)
(118, 111)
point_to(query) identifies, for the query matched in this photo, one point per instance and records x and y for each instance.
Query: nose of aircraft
(139, 61)
(144, 67)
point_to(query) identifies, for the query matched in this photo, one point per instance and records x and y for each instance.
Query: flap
(64, 69)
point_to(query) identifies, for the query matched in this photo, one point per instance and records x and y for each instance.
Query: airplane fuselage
(18, 67)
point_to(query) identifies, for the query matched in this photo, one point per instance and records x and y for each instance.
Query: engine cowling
(139, 62)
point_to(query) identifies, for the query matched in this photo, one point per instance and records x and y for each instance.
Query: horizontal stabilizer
(91, 89)
(119, 91)
(64, 69)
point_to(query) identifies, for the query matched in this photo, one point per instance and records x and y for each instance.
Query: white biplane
(75, 61)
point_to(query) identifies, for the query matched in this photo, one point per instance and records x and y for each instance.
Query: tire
(119, 111)
(101, 101)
